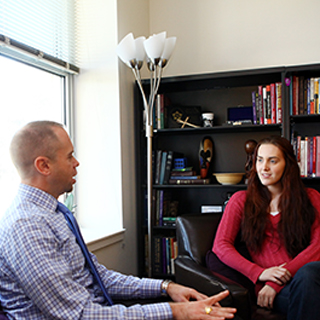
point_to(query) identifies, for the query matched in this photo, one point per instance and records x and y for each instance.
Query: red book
(273, 103)
(295, 95)
(279, 102)
(312, 96)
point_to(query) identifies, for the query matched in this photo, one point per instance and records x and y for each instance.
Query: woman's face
(270, 165)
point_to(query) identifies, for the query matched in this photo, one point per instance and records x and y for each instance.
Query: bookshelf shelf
(220, 129)
(216, 93)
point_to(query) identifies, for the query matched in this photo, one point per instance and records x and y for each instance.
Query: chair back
(195, 234)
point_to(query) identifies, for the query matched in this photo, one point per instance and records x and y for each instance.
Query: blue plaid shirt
(43, 273)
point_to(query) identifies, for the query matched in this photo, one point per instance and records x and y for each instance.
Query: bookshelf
(213, 92)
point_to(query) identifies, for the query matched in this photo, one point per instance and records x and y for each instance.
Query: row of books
(304, 96)
(187, 175)
(267, 104)
(307, 150)
(165, 251)
(165, 209)
(163, 163)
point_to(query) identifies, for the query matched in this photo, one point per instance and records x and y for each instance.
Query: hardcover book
(189, 181)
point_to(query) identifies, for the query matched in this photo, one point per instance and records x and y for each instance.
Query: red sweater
(273, 253)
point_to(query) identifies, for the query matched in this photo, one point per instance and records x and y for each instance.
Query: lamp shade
(140, 52)
(168, 47)
(154, 45)
(126, 49)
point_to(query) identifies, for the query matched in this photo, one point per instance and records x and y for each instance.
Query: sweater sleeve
(225, 237)
(312, 252)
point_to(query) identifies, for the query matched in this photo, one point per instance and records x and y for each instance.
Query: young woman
(279, 222)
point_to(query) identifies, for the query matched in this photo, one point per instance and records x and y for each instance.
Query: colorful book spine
(279, 102)
(273, 103)
(254, 107)
(318, 156)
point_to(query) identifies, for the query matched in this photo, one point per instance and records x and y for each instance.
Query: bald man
(43, 271)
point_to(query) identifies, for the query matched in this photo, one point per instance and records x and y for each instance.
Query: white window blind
(43, 28)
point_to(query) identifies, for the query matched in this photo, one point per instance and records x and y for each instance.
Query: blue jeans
(300, 299)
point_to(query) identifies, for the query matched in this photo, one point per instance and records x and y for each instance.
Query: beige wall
(213, 35)
(216, 35)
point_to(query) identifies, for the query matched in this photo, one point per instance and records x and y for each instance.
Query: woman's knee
(309, 273)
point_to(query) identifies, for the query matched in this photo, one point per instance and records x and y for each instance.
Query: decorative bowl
(229, 178)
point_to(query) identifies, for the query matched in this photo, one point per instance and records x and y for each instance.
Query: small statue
(249, 147)
(205, 157)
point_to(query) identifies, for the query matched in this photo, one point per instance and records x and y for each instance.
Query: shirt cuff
(150, 288)
(157, 311)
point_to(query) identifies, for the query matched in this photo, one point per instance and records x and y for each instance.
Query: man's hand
(279, 275)
(266, 297)
(203, 309)
(179, 293)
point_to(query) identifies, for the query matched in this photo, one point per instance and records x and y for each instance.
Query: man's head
(43, 155)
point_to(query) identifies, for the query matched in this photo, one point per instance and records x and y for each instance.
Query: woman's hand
(266, 297)
(279, 275)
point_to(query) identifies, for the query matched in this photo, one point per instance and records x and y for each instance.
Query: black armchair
(195, 235)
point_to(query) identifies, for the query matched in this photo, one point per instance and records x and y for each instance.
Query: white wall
(213, 35)
(104, 129)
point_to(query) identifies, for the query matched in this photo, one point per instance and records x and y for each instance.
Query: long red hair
(297, 212)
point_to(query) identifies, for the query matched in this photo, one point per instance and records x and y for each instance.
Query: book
(302, 158)
(279, 102)
(163, 166)
(169, 221)
(311, 96)
(157, 253)
(182, 169)
(264, 105)
(182, 173)
(316, 95)
(254, 107)
(295, 96)
(171, 155)
(268, 105)
(260, 105)
(273, 103)
(318, 156)
(185, 177)
(189, 181)
(157, 166)
(301, 94)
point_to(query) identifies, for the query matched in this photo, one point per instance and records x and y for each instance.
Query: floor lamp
(157, 50)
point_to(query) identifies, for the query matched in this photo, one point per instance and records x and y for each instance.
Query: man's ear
(42, 165)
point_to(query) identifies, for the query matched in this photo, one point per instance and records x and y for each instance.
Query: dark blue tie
(73, 225)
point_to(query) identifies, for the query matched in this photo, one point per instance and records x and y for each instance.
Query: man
(43, 270)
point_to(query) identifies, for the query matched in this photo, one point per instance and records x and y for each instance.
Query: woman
(279, 221)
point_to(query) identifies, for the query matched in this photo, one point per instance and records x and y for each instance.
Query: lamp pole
(132, 52)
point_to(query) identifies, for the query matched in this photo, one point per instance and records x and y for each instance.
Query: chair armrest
(193, 275)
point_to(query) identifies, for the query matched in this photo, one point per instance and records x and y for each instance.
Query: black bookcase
(213, 92)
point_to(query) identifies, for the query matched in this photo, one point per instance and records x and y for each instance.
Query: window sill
(96, 241)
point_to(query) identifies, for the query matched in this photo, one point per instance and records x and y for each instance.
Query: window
(28, 94)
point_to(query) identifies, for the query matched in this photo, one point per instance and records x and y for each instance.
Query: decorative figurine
(249, 147)
(205, 157)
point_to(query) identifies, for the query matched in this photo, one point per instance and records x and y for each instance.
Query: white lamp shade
(154, 45)
(168, 48)
(126, 49)
(140, 52)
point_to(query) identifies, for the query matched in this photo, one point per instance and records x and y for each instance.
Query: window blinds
(43, 28)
